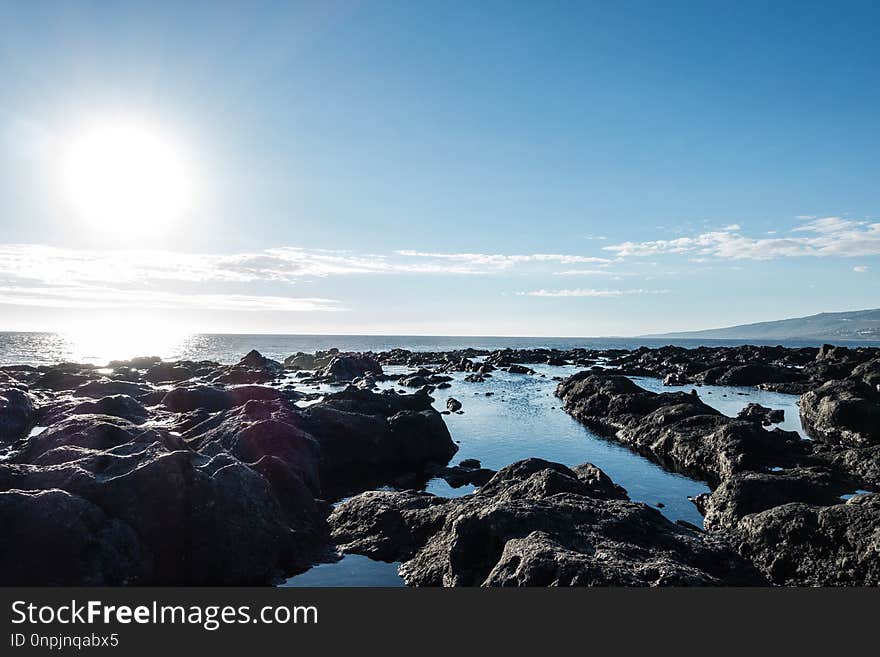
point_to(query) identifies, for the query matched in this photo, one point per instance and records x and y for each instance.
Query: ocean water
(521, 418)
(99, 347)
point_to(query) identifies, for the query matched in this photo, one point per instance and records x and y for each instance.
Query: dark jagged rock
(300, 361)
(351, 436)
(190, 512)
(107, 387)
(845, 412)
(859, 466)
(92, 433)
(304, 361)
(534, 524)
(869, 372)
(762, 414)
(60, 379)
(676, 429)
(801, 544)
(259, 429)
(752, 374)
(361, 446)
(420, 379)
(213, 399)
(453, 405)
(171, 372)
(387, 526)
(139, 363)
(215, 484)
(257, 360)
(254, 368)
(752, 492)
(16, 414)
(116, 405)
(777, 499)
(423, 378)
(347, 367)
(54, 538)
(209, 398)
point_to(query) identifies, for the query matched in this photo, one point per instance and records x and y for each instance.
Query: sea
(98, 346)
(520, 419)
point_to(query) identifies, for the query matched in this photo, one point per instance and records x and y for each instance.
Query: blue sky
(509, 168)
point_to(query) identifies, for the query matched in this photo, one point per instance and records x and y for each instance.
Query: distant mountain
(853, 325)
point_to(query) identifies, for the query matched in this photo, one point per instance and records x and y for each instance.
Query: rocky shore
(189, 473)
(195, 472)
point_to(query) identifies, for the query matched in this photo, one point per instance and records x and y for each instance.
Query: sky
(438, 168)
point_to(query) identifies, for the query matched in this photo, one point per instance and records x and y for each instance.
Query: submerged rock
(468, 471)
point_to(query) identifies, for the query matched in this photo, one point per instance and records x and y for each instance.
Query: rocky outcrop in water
(535, 523)
(347, 367)
(677, 429)
(843, 412)
(757, 413)
(775, 497)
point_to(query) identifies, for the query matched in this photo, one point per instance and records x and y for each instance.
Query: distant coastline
(855, 326)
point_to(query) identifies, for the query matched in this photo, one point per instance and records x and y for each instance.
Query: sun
(127, 178)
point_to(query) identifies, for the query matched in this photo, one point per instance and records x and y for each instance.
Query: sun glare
(127, 179)
(101, 341)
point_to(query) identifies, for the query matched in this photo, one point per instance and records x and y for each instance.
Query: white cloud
(588, 292)
(828, 236)
(862, 269)
(110, 298)
(39, 275)
(498, 261)
(590, 272)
